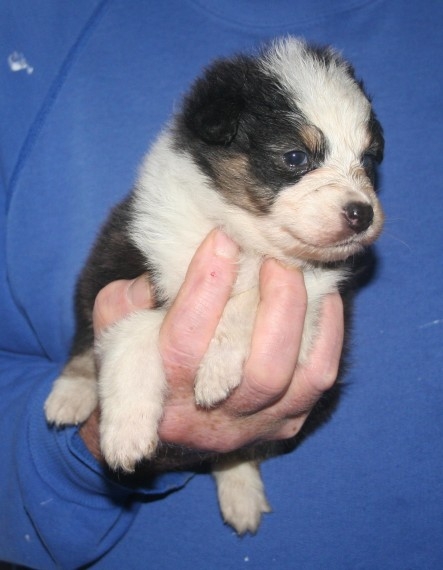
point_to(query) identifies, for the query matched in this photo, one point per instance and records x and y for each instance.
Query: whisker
(397, 239)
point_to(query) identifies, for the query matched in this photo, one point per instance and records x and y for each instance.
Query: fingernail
(224, 246)
(138, 293)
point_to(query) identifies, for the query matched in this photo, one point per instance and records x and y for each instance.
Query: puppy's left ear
(214, 106)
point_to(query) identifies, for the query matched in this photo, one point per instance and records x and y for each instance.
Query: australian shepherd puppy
(278, 150)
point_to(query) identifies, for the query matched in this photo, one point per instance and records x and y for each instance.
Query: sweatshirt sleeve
(58, 505)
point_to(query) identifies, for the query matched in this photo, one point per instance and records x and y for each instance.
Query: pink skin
(275, 395)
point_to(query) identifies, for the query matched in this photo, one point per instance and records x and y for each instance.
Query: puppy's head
(290, 138)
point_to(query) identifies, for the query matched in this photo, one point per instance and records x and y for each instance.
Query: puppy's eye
(295, 158)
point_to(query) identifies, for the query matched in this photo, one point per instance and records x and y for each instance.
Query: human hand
(275, 395)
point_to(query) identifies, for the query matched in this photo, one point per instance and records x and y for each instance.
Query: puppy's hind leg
(74, 394)
(131, 389)
(241, 494)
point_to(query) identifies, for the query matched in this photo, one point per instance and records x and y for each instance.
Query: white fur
(74, 394)
(241, 494)
(132, 386)
(329, 98)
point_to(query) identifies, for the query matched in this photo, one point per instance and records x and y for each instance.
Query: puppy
(279, 150)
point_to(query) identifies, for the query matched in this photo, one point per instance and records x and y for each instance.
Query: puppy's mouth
(335, 251)
(338, 238)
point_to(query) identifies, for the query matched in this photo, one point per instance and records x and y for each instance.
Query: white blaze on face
(326, 94)
(308, 217)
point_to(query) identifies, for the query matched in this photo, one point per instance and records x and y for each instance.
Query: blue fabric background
(365, 491)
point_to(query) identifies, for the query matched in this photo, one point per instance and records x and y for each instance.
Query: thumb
(119, 299)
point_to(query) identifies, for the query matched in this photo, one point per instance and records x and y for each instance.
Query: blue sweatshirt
(85, 88)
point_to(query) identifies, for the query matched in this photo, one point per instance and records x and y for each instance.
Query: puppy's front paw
(128, 436)
(241, 496)
(71, 401)
(219, 373)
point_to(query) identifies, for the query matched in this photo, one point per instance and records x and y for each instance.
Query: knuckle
(289, 294)
(324, 380)
(102, 298)
(260, 386)
(260, 391)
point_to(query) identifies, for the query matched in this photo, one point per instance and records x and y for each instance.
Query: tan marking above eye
(312, 138)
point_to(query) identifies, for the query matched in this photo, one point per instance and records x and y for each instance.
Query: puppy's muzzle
(359, 216)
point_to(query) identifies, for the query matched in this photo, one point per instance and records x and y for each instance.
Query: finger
(319, 373)
(276, 339)
(191, 321)
(313, 378)
(118, 299)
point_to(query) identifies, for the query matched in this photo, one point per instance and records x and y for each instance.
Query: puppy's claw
(126, 460)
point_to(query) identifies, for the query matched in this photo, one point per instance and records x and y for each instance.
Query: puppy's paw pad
(243, 510)
(71, 401)
(126, 441)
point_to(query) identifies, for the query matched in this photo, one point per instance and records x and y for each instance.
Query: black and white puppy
(279, 151)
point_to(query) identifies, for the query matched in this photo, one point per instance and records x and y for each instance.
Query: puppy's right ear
(213, 109)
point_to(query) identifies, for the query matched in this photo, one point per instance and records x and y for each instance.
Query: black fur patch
(238, 122)
(377, 144)
(236, 113)
(113, 257)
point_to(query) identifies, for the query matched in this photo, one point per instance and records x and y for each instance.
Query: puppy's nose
(359, 216)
